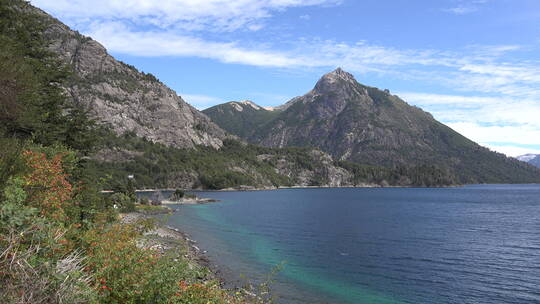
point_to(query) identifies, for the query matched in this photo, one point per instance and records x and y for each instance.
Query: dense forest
(243, 123)
(237, 165)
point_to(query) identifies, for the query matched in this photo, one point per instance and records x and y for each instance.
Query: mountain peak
(330, 80)
(251, 104)
(239, 105)
(339, 72)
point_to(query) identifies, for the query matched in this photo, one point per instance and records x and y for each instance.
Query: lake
(472, 244)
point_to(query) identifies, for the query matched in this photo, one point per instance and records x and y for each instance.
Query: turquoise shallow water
(475, 244)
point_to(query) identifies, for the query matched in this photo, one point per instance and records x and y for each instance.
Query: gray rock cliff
(120, 96)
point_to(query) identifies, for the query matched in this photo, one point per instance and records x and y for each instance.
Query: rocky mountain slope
(120, 96)
(366, 125)
(349, 121)
(164, 142)
(533, 159)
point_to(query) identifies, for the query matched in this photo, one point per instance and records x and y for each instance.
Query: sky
(473, 64)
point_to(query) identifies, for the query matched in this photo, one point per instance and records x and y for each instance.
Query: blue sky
(475, 64)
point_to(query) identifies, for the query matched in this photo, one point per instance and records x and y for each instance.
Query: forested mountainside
(243, 118)
(361, 124)
(245, 166)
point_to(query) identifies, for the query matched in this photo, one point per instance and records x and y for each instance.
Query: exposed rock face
(324, 174)
(353, 122)
(126, 99)
(116, 155)
(366, 125)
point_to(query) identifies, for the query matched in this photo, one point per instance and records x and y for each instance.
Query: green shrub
(178, 194)
(122, 202)
(144, 201)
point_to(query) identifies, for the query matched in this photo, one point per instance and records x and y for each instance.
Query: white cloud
(482, 71)
(117, 24)
(360, 57)
(516, 79)
(513, 150)
(521, 135)
(485, 119)
(441, 99)
(502, 110)
(466, 7)
(118, 38)
(193, 14)
(461, 10)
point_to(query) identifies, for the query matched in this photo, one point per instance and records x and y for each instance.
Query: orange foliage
(47, 185)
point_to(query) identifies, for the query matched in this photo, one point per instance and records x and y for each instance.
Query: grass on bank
(151, 209)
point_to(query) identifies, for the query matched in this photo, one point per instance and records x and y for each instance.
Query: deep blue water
(474, 244)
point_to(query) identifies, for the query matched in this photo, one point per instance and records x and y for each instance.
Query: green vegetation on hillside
(157, 165)
(33, 106)
(237, 164)
(242, 123)
(421, 176)
(60, 239)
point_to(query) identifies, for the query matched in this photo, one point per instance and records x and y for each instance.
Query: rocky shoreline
(253, 188)
(164, 238)
(190, 201)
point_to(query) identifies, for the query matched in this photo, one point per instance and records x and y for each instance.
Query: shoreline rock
(190, 201)
(164, 238)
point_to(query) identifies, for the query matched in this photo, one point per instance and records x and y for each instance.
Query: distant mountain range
(348, 133)
(362, 124)
(153, 134)
(533, 159)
